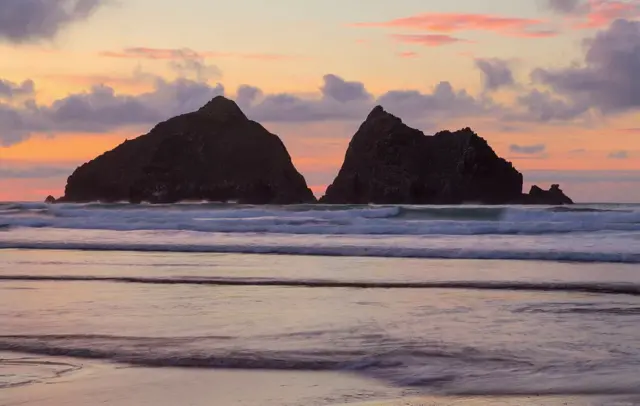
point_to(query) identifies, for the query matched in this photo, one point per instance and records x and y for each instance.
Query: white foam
(322, 220)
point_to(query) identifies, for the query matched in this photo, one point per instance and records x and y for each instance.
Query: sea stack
(388, 162)
(213, 154)
(553, 196)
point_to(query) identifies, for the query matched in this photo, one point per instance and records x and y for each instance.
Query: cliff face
(388, 162)
(213, 154)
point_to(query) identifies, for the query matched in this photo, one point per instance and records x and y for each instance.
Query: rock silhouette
(218, 154)
(213, 154)
(553, 196)
(388, 162)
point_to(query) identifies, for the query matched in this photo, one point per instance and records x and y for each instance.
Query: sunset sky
(553, 85)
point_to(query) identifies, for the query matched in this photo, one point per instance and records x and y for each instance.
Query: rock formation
(213, 154)
(388, 162)
(553, 196)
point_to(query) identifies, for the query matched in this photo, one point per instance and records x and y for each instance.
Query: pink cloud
(407, 54)
(537, 34)
(603, 12)
(429, 40)
(456, 22)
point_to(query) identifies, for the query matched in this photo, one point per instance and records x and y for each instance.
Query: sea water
(446, 299)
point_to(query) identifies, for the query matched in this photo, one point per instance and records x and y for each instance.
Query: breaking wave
(339, 220)
(590, 233)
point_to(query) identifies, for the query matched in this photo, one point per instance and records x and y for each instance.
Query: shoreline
(98, 382)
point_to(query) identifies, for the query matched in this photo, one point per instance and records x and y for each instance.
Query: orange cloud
(456, 22)
(429, 40)
(185, 53)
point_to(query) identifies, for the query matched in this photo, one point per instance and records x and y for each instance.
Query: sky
(553, 85)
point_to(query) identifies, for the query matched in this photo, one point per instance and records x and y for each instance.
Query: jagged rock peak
(379, 112)
(222, 109)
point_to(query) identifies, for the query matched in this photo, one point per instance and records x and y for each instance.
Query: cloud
(246, 95)
(407, 54)
(13, 128)
(528, 149)
(458, 22)
(568, 6)
(339, 100)
(600, 13)
(543, 106)
(102, 109)
(429, 40)
(13, 170)
(619, 155)
(34, 20)
(341, 90)
(9, 90)
(630, 130)
(588, 14)
(443, 101)
(608, 79)
(169, 54)
(193, 65)
(342, 100)
(496, 73)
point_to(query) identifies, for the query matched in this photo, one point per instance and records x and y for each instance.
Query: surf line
(577, 287)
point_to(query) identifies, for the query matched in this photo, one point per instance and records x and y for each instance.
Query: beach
(133, 305)
(101, 383)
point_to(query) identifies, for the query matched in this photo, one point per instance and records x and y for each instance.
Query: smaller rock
(553, 196)
(50, 199)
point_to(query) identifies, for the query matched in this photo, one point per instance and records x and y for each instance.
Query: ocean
(450, 300)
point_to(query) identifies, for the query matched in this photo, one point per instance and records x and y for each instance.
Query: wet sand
(96, 383)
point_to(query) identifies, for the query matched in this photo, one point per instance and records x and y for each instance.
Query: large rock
(554, 196)
(390, 163)
(213, 154)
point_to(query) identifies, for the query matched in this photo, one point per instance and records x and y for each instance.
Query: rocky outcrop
(50, 199)
(213, 154)
(388, 162)
(554, 196)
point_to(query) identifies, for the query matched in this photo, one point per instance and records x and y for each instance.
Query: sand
(107, 384)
